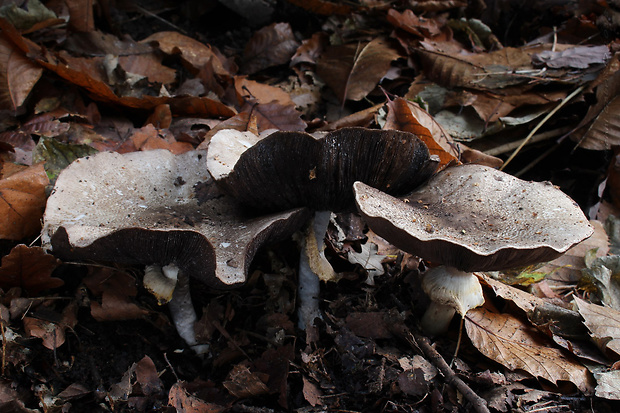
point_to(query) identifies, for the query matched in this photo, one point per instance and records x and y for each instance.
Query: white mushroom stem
(313, 267)
(451, 291)
(181, 308)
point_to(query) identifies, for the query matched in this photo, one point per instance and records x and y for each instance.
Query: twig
(510, 146)
(478, 403)
(542, 122)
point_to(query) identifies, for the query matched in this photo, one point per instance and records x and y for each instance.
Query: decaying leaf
(18, 75)
(608, 385)
(115, 289)
(604, 323)
(182, 401)
(242, 382)
(517, 346)
(270, 46)
(353, 70)
(601, 274)
(29, 268)
(52, 333)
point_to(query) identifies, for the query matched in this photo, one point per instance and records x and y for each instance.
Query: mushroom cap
(154, 207)
(295, 169)
(476, 218)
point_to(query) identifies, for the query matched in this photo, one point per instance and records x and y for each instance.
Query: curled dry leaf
(604, 323)
(353, 70)
(29, 268)
(517, 346)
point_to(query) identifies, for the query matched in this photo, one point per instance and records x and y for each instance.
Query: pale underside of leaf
(508, 341)
(603, 322)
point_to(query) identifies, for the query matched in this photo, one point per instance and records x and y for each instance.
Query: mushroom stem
(181, 308)
(313, 266)
(451, 291)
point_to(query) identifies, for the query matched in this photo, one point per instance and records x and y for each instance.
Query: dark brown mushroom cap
(294, 169)
(476, 218)
(156, 208)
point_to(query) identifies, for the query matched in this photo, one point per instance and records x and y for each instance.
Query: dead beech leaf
(270, 46)
(22, 202)
(410, 117)
(408, 21)
(193, 52)
(149, 66)
(603, 323)
(261, 92)
(148, 377)
(517, 346)
(18, 75)
(148, 138)
(276, 116)
(116, 290)
(29, 268)
(183, 402)
(242, 383)
(577, 57)
(52, 334)
(353, 70)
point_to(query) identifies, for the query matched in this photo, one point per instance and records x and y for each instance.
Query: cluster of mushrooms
(204, 214)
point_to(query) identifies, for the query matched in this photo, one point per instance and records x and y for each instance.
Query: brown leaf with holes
(518, 346)
(29, 268)
(353, 70)
(407, 116)
(22, 202)
(18, 75)
(270, 46)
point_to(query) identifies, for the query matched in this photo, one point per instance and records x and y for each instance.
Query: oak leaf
(29, 268)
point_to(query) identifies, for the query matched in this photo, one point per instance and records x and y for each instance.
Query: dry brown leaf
(183, 402)
(242, 383)
(29, 268)
(81, 17)
(312, 392)
(276, 116)
(52, 334)
(518, 346)
(116, 290)
(193, 52)
(310, 49)
(22, 202)
(353, 70)
(149, 66)
(270, 46)
(604, 323)
(148, 138)
(18, 75)
(409, 117)
(261, 92)
(408, 21)
(608, 385)
(600, 128)
(148, 377)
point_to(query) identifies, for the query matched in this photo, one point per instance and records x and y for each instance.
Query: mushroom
(295, 169)
(163, 211)
(473, 218)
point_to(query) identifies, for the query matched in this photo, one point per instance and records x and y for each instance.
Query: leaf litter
(75, 80)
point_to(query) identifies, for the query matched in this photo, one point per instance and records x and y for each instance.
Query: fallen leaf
(604, 323)
(116, 290)
(260, 92)
(242, 383)
(29, 268)
(508, 341)
(601, 274)
(57, 155)
(274, 115)
(578, 57)
(148, 377)
(353, 70)
(312, 393)
(368, 325)
(608, 385)
(52, 334)
(410, 117)
(22, 202)
(18, 75)
(270, 46)
(408, 21)
(184, 402)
